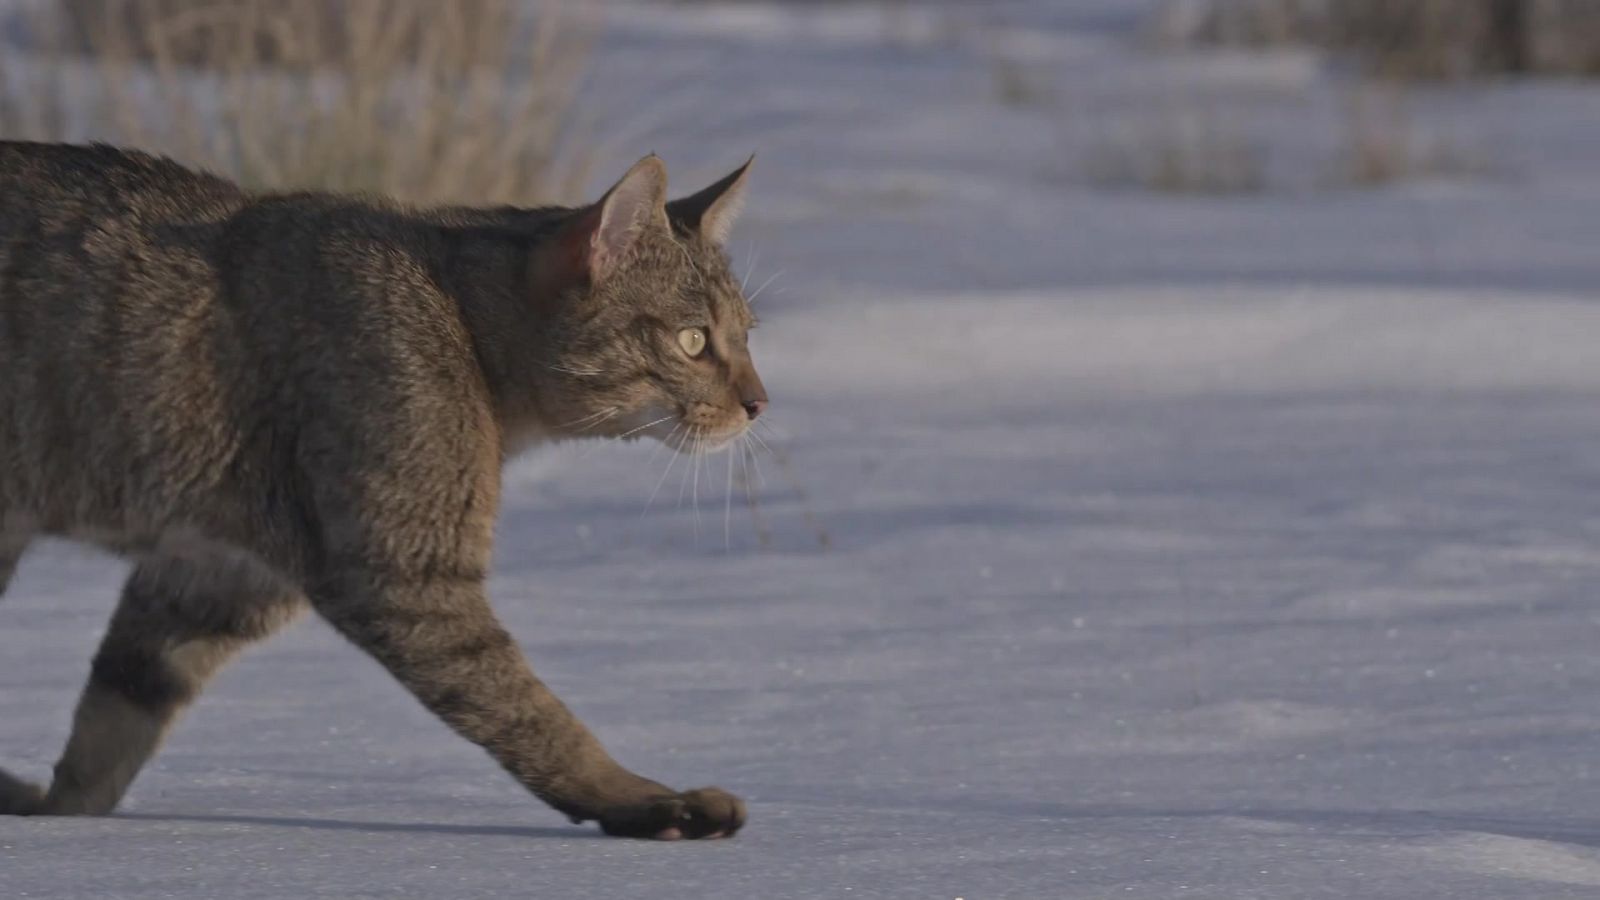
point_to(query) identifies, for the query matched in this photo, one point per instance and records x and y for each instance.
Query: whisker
(756, 462)
(683, 480)
(752, 297)
(699, 460)
(665, 472)
(599, 417)
(664, 442)
(776, 433)
(633, 431)
(755, 253)
(688, 258)
(727, 506)
(786, 468)
(763, 534)
(600, 421)
(744, 465)
(612, 440)
(762, 441)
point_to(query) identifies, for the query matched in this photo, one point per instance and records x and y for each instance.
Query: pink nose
(753, 408)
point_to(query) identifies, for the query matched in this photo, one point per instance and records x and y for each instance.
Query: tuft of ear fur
(713, 210)
(600, 237)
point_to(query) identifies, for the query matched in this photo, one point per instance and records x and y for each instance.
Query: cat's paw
(18, 797)
(692, 815)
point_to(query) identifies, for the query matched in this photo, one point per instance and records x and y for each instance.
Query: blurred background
(1364, 121)
(1180, 476)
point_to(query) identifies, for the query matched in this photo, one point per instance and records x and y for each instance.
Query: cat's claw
(702, 814)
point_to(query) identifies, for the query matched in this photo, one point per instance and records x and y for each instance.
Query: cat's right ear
(712, 211)
(599, 237)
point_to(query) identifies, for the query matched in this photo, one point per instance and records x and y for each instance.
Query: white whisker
(727, 505)
(748, 453)
(756, 462)
(699, 460)
(688, 258)
(663, 480)
(752, 501)
(612, 440)
(755, 253)
(762, 441)
(752, 297)
(598, 417)
(664, 442)
(683, 480)
(633, 431)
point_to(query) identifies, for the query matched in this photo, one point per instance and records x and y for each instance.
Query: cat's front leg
(434, 631)
(702, 813)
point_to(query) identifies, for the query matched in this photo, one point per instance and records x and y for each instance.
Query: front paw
(693, 815)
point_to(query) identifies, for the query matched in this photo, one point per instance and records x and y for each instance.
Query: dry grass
(1200, 147)
(1185, 149)
(1376, 138)
(1237, 23)
(1406, 38)
(468, 101)
(1382, 145)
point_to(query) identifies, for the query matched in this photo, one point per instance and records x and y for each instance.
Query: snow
(1121, 544)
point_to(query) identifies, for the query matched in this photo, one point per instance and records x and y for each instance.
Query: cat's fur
(274, 402)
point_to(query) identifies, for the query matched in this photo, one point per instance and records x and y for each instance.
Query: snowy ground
(1128, 544)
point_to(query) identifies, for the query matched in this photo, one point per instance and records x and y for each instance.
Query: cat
(273, 402)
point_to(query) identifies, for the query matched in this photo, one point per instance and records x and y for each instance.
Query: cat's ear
(712, 211)
(600, 236)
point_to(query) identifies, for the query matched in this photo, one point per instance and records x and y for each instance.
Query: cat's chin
(700, 444)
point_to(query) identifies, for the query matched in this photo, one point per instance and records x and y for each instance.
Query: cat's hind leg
(181, 617)
(16, 795)
(12, 545)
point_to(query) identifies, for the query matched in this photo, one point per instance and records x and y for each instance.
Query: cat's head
(654, 325)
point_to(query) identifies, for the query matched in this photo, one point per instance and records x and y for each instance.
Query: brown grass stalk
(468, 101)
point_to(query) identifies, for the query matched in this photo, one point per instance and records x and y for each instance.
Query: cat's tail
(18, 797)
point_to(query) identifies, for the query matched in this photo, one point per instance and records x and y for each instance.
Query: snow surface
(1120, 545)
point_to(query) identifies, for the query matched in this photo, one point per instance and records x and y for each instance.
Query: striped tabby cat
(277, 402)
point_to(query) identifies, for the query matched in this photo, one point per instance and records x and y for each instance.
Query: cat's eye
(693, 341)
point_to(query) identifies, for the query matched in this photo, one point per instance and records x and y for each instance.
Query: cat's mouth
(700, 441)
(677, 431)
(692, 439)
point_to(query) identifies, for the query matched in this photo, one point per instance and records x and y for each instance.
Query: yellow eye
(693, 341)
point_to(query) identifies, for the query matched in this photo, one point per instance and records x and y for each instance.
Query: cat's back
(59, 187)
(109, 349)
(117, 260)
(91, 231)
(162, 330)
(101, 249)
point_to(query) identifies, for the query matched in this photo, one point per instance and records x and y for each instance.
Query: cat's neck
(491, 269)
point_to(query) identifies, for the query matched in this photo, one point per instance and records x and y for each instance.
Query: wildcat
(273, 402)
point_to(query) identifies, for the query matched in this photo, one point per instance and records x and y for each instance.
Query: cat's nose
(753, 408)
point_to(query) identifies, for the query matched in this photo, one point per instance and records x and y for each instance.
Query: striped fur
(273, 403)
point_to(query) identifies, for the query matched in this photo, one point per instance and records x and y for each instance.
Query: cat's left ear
(595, 240)
(712, 211)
